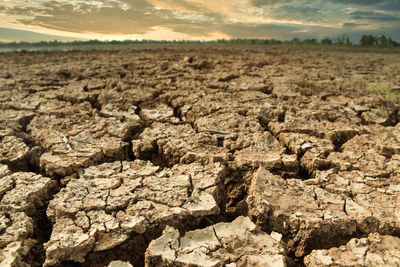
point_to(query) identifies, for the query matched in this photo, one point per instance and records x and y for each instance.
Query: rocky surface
(311, 216)
(110, 202)
(101, 152)
(374, 250)
(21, 194)
(79, 141)
(224, 244)
(14, 152)
(173, 144)
(119, 264)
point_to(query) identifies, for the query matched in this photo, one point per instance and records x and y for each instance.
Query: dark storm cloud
(371, 15)
(305, 13)
(244, 30)
(260, 3)
(308, 9)
(350, 25)
(279, 31)
(388, 5)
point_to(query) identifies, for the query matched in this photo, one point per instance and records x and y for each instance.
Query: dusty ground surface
(274, 157)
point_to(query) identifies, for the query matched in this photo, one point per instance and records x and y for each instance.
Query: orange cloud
(193, 19)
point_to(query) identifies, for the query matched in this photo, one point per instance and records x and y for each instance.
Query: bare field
(200, 157)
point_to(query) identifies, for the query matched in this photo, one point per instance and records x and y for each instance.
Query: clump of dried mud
(272, 157)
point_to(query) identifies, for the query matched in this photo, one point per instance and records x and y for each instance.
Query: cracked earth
(274, 157)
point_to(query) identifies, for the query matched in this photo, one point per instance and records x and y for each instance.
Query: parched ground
(200, 157)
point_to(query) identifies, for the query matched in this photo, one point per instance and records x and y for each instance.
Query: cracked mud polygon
(264, 157)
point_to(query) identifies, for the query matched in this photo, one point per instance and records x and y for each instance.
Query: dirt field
(207, 157)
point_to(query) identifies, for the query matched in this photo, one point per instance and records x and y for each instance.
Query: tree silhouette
(368, 40)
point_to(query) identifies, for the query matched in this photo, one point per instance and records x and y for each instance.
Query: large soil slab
(224, 244)
(311, 216)
(111, 202)
(374, 250)
(79, 141)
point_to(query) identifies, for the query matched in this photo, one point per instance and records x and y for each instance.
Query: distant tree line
(371, 40)
(366, 40)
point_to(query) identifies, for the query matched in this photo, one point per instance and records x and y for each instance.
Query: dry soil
(200, 157)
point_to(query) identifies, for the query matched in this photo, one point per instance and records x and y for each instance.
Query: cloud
(28, 36)
(107, 19)
(202, 19)
(305, 13)
(245, 30)
(388, 5)
(268, 3)
(371, 15)
(350, 25)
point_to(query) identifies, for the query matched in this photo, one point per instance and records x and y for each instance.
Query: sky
(37, 20)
